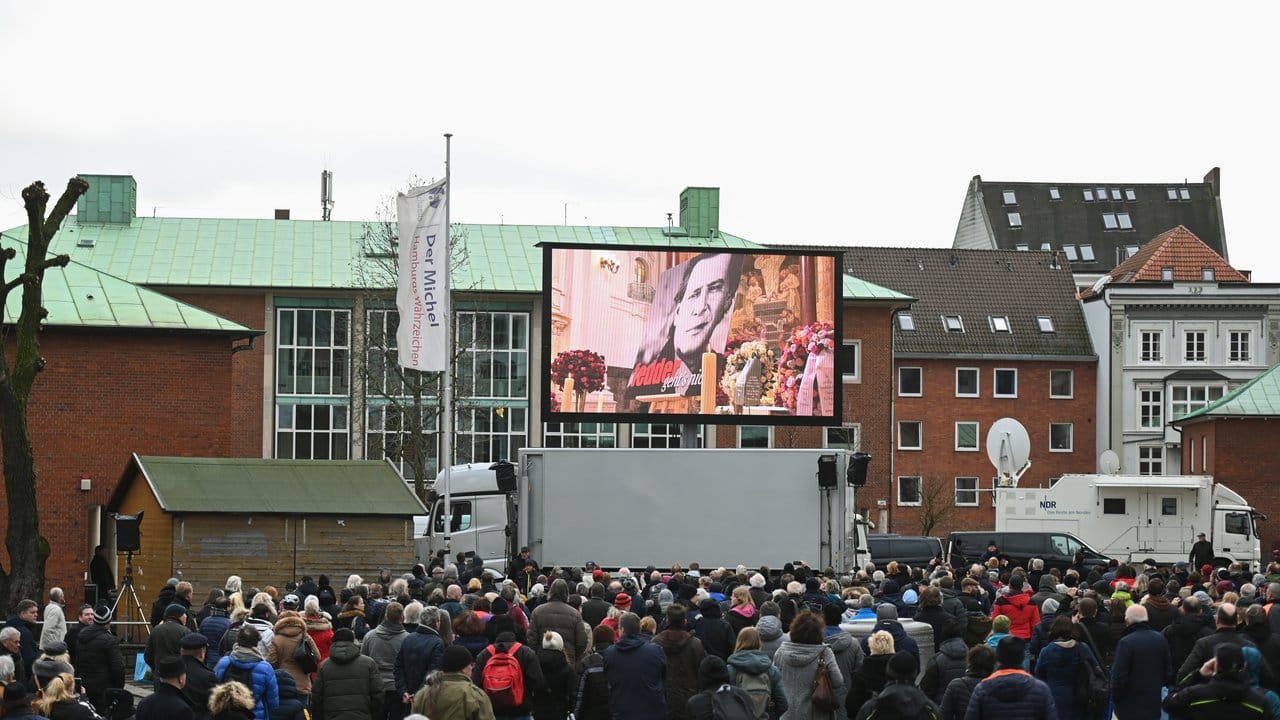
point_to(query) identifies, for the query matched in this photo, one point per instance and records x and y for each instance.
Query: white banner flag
(422, 296)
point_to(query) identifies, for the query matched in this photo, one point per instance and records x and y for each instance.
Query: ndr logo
(1048, 504)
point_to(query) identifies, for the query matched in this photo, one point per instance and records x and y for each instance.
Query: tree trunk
(28, 551)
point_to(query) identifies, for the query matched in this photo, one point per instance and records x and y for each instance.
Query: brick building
(992, 334)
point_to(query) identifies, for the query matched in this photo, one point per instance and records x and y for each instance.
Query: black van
(914, 550)
(1057, 549)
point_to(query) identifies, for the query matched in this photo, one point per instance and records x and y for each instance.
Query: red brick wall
(1243, 455)
(938, 463)
(102, 396)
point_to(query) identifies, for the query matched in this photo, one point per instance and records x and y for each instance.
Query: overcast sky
(821, 123)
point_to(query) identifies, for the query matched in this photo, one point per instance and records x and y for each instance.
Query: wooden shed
(268, 521)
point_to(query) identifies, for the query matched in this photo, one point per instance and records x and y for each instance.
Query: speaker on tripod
(129, 541)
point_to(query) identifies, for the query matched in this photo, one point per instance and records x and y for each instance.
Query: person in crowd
(873, 673)
(980, 663)
(287, 634)
(742, 609)
(948, 664)
(1201, 552)
(23, 623)
(932, 613)
(1059, 665)
(200, 679)
(558, 615)
(1016, 606)
(101, 664)
(502, 620)
(713, 679)
(383, 644)
(167, 702)
(348, 685)
(231, 701)
(1010, 691)
(55, 619)
(847, 650)
(770, 627)
(596, 608)
(469, 632)
(753, 671)
(1226, 694)
(554, 699)
(636, 673)
(291, 705)
(84, 619)
(1143, 667)
(799, 660)
(319, 626)
(900, 697)
(214, 627)
(100, 572)
(591, 700)
(1258, 629)
(713, 630)
(160, 606)
(530, 672)
(245, 664)
(1161, 613)
(1226, 632)
(452, 695)
(420, 652)
(165, 640)
(352, 616)
(887, 620)
(684, 653)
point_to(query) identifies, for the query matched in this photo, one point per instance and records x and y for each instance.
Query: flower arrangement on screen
(807, 340)
(736, 360)
(586, 367)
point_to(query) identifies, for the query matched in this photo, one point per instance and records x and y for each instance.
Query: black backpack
(731, 703)
(239, 674)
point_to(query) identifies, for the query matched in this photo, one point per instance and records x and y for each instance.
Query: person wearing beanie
(684, 652)
(1227, 693)
(1010, 691)
(1049, 610)
(592, 701)
(1016, 606)
(555, 697)
(166, 638)
(101, 664)
(453, 696)
(501, 620)
(713, 630)
(168, 701)
(348, 686)
(900, 696)
(713, 678)
(947, 664)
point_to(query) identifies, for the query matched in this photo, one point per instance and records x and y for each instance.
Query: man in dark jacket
(166, 637)
(529, 668)
(1188, 628)
(420, 652)
(949, 663)
(714, 631)
(348, 685)
(215, 627)
(596, 608)
(200, 679)
(1201, 552)
(167, 702)
(887, 620)
(84, 619)
(100, 663)
(1011, 693)
(900, 698)
(1226, 696)
(162, 602)
(383, 644)
(24, 621)
(1141, 669)
(1040, 633)
(931, 612)
(684, 653)
(558, 615)
(1225, 633)
(635, 670)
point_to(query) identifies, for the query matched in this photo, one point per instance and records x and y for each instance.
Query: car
(1057, 549)
(914, 550)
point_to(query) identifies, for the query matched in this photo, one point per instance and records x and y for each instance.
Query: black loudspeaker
(505, 473)
(90, 594)
(856, 474)
(129, 533)
(827, 471)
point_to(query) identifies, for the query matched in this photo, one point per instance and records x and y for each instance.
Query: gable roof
(80, 296)
(858, 289)
(977, 285)
(1178, 249)
(254, 485)
(1079, 218)
(1260, 397)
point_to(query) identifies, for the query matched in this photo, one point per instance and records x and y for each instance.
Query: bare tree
(937, 504)
(28, 551)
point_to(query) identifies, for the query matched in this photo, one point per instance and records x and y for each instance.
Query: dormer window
(1184, 193)
(1010, 198)
(999, 323)
(1045, 322)
(1088, 195)
(953, 323)
(1166, 274)
(1130, 195)
(1207, 274)
(1015, 220)
(906, 322)
(1054, 194)
(1070, 252)
(1086, 253)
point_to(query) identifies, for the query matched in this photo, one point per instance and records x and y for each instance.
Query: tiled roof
(80, 296)
(977, 285)
(1260, 397)
(1109, 226)
(1180, 250)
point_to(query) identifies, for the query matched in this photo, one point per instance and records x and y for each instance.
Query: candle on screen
(708, 381)
(566, 398)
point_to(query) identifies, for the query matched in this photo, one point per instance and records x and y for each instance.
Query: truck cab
(477, 521)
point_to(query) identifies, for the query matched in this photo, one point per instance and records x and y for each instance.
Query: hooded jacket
(291, 706)
(288, 633)
(382, 644)
(1182, 635)
(555, 698)
(635, 670)
(214, 627)
(1011, 694)
(320, 630)
(348, 685)
(1222, 698)
(899, 700)
(266, 693)
(560, 616)
(101, 665)
(714, 631)
(955, 700)
(798, 665)
(848, 656)
(684, 653)
(1021, 613)
(755, 662)
(770, 628)
(742, 616)
(1160, 612)
(1047, 588)
(870, 679)
(946, 665)
(1058, 666)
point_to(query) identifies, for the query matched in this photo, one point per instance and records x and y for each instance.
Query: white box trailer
(635, 507)
(1131, 518)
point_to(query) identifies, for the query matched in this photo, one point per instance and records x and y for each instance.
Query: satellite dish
(1009, 449)
(1108, 462)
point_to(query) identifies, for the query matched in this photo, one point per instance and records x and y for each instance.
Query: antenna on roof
(326, 194)
(954, 260)
(669, 222)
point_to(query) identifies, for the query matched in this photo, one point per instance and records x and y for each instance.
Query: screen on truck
(748, 337)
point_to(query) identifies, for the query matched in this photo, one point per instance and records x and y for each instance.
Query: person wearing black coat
(591, 698)
(167, 702)
(420, 652)
(714, 631)
(949, 663)
(163, 600)
(980, 662)
(99, 661)
(200, 679)
(556, 697)
(348, 686)
(635, 670)
(291, 706)
(1226, 696)
(529, 666)
(500, 621)
(1183, 633)
(1142, 668)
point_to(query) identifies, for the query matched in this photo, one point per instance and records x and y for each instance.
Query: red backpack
(502, 679)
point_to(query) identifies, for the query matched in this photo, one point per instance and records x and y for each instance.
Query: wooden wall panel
(208, 548)
(340, 545)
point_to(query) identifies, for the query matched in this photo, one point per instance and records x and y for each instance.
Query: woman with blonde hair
(742, 610)
(59, 698)
(871, 677)
(752, 670)
(231, 701)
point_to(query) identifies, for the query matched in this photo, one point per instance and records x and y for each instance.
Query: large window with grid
(383, 376)
(1194, 348)
(487, 434)
(1151, 407)
(1240, 346)
(580, 435)
(1152, 346)
(312, 432)
(313, 351)
(1184, 399)
(845, 437)
(494, 361)
(386, 430)
(1150, 459)
(658, 435)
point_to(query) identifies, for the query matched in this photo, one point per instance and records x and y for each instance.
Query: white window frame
(1157, 346)
(977, 436)
(1150, 404)
(906, 322)
(1208, 274)
(1010, 197)
(975, 490)
(580, 434)
(919, 424)
(1187, 335)
(1071, 375)
(1189, 405)
(999, 323)
(1071, 437)
(1086, 254)
(1152, 457)
(1070, 252)
(1054, 194)
(977, 382)
(856, 375)
(995, 383)
(1087, 193)
(644, 435)
(1045, 323)
(946, 323)
(854, 429)
(920, 383)
(1232, 346)
(744, 427)
(1015, 220)
(919, 491)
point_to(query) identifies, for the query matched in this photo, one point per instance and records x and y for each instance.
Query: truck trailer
(1132, 518)
(637, 507)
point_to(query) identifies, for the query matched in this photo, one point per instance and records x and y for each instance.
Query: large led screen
(702, 336)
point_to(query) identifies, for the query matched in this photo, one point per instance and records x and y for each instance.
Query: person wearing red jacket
(1023, 615)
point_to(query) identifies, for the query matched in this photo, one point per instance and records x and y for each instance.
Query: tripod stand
(126, 586)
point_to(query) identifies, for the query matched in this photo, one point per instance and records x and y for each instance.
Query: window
(1204, 453)
(1045, 323)
(1010, 198)
(909, 435)
(910, 381)
(1062, 384)
(953, 323)
(755, 436)
(1151, 462)
(1015, 220)
(1046, 246)
(1151, 407)
(1193, 342)
(495, 359)
(579, 435)
(1088, 195)
(1022, 247)
(1126, 223)
(1060, 437)
(1172, 193)
(1109, 221)
(1070, 251)
(1054, 194)
(1239, 346)
(386, 432)
(999, 323)
(1115, 193)
(1169, 506)
(845, 437)
(312, 432)
(1152, 347)
(1236, 523)
(966, 492)
(1207, 274)
(1086, 253)
(966, 382)
(906, 322)
(1166, 274)
(1006, 383)
(312, 356)
(459, 516)
(639, 271)
(1184, 193)
(491, 433)
(1102, 194)
(1113, 506)
(909, 490)
(1130, 195)
(655, 435)
(1186, 399)
(1130, 251)
(966, 436)
(849, 360)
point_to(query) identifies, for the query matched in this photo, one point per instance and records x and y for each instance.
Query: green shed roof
(295, 487)
(1260, 397)
(859, 289)
(80, 296)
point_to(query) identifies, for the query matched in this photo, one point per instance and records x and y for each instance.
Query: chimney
(111, 199)
(1214, 178)
(700, 211)
(282, 213)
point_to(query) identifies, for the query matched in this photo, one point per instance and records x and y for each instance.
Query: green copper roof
(1260, 397)
(256, 485)
(859, 289)
(80, 296)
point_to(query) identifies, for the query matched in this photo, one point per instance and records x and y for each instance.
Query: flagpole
(446, 424)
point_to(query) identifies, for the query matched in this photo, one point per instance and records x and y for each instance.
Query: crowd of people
(451, 641)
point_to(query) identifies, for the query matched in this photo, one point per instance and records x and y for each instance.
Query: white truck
(636, 507)
(1132, 518)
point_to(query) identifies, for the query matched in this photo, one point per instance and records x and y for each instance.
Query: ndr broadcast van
(1132, 518)
(636, 507)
